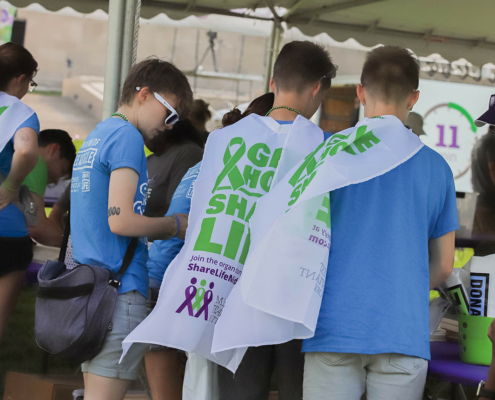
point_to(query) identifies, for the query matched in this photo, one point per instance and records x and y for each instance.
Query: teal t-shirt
(37, 179)
(112, 145)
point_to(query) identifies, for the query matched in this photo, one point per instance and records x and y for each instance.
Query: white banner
(482, 292)
(13, 113)
(280, 292)
(240, 165)
(449, 110)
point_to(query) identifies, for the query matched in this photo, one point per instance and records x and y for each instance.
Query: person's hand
(491, 332)
(7, 197)
(183, 222)
(491, 336)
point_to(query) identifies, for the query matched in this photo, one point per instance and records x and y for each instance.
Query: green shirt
(37, 179)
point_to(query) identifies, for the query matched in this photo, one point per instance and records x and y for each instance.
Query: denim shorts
(130, 311)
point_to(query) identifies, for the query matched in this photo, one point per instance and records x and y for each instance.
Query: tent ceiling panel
(453, 18)
(476, 53)
(453, 28)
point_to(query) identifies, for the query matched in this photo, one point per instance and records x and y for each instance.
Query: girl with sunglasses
(108, 198)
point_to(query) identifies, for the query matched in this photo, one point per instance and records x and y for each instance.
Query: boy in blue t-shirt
(108, 198)
(392, 240)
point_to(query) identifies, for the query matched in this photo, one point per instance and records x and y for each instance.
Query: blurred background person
(257, 106)
(486, 389)
(57, 155)
(483, 178)
(58, 215)
(199, 117)
(415, 123)
(174, 152)
(19, 129)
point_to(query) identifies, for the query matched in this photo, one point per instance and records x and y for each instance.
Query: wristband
(178, 224)
(485, 393)
(9, 188)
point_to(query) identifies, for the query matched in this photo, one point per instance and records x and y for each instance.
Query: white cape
(13, 113)
(240, 165)
(279, 295)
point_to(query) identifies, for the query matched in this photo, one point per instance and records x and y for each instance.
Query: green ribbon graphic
(230, 168)
(3, 109)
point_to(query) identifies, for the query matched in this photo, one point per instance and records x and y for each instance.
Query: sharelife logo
(479, 294)
(197, 299)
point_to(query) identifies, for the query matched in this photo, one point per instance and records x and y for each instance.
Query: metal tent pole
(279, 37)
(114, 57)
(136, 32)
(128, 40)
(269, 61)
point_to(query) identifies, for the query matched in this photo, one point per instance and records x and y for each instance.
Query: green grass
(18, 349)
(47, 93)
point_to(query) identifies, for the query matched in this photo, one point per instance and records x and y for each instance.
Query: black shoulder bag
(74, 308)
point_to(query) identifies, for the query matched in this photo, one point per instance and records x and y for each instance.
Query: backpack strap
(128, 256)
(65, 240)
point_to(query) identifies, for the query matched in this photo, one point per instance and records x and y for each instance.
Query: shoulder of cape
(344, 132)
(8, 100)
(234, 128)
(377, 124)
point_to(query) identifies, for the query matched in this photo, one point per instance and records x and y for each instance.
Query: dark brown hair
(390, 73)
(200, 111)
(63, 139)
(161, 77)
(261, 105)
(15, 61)
(301, 64)
(181, 132)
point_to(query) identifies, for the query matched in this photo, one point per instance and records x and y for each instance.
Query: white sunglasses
(174, 116)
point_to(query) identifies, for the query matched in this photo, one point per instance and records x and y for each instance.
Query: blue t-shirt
(12, 222)
(112, 145)
(377, 285)
(162, 252)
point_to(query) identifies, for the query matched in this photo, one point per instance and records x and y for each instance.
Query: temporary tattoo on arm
(113, 211)
(24, 137)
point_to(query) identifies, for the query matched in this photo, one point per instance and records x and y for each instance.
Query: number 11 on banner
(441, 143)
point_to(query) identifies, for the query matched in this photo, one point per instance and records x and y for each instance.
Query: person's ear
(412, 99)
(143, 94)
(273, 88)
(18, 81)
(316, 89)
(54, 150)
(360, 94)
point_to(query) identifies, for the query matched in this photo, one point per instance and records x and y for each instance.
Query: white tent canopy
(453, 28)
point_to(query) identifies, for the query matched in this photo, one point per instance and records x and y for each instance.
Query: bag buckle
(115, 283)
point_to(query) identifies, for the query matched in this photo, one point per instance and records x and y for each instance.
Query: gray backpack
(74, 308)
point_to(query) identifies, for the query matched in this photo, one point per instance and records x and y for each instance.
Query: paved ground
(55, 112)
